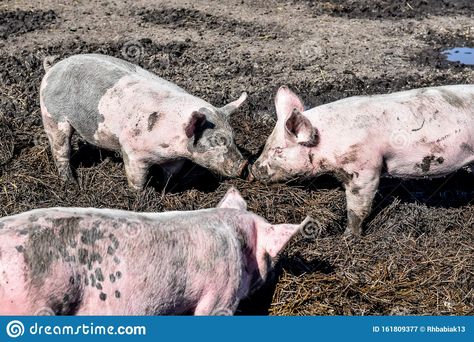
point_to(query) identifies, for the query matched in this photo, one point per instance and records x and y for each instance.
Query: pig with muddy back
(119, 106)
(420, 133)
(85, 261)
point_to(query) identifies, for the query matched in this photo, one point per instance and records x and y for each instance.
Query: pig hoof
(349, 232)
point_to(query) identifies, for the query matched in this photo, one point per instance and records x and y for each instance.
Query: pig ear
(195, 124)
(299, 128)
(278, 236)
(232, 107)
(232, 199)
(286, 101)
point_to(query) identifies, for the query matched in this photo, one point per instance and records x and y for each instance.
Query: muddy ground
(417, 254)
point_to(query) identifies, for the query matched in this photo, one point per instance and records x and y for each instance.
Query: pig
(420, 133)
(86, 261)
(121, 107)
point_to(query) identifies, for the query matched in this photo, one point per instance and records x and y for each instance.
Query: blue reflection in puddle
(463, 55)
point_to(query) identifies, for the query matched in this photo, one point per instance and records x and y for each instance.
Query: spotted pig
(420, 133)
(84, 261)
(119, 106)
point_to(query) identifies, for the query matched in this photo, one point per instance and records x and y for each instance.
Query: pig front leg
(360, 193)
(136, 171)
(59, 136)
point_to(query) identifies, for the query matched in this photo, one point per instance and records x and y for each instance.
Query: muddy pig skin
(84, 261)
(119, 106)
(420, 133)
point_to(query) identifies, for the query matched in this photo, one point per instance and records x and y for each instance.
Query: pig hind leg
(59, 136)
(360, 193)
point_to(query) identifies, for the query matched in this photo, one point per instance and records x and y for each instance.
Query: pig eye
(278, 150)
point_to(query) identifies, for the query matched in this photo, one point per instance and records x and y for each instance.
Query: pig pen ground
(417, 254)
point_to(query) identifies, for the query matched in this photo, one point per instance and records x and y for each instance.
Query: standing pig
(119, 106)
(78, 261)
(419, 133)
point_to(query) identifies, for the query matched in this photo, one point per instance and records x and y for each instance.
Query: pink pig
(85, 261)
(421, 133)
(119, 106)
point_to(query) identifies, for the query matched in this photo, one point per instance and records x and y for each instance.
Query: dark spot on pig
(114, 240)
(99, 286)
(20, 249)
(440, 160)
(83, 255)
(118, 274)
(44, 247)
(112, 278)
(425, 164)
(95, 257)
(75, 87)
(452, 98)
(355, 190)
(103, 296)
(33, 218)
(117, 294)
(86, 280)
(136, 132)
(467, 148)
(110, 250)
(2, 225)
(92, 280)
(116, 260)
(71, 280)
(164, 145)
(22, 231)
(152, 120)
(310, 157)
(89, 237)
(99, 275)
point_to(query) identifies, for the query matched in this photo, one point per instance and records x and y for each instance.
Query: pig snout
(260, 172)
(237, 169)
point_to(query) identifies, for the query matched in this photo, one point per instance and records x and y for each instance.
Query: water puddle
(463, 55)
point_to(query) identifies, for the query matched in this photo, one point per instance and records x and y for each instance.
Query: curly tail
(49, 61)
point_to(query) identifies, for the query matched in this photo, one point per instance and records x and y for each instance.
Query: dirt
(416, 255)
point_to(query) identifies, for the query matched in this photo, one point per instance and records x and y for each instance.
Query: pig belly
(434, 159)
